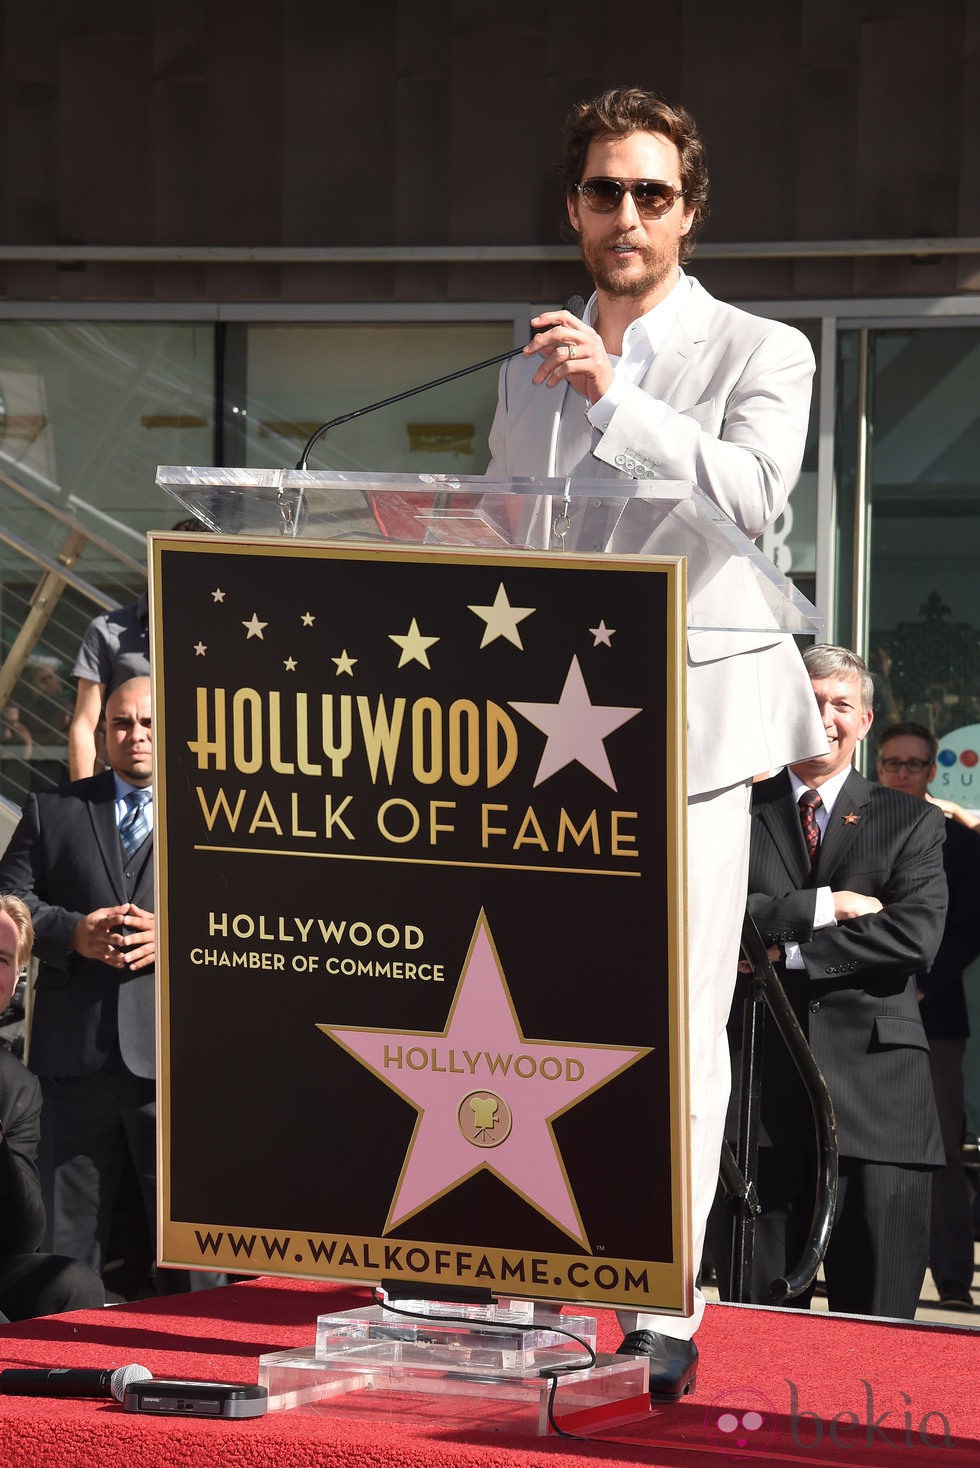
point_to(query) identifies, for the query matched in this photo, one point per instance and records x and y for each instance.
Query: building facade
(222, 224)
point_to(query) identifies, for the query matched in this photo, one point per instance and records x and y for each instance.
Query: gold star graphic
(502, 619)
(200, 648)
(217, 594)
(289, 664)
(345, 664)
(413, 645)
(254, 627)
(307, 619)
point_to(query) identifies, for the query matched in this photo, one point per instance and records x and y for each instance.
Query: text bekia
(807, 1428)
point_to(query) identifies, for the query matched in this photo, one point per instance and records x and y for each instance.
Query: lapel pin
(850, 819)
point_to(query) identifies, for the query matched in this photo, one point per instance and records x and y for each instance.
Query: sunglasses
(652, 197)
(893, 765)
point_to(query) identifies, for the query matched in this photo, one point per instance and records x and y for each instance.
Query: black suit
(92, 1034)
(944, 1017)
(944, 1012)
(30, 1283)
(856, 1002)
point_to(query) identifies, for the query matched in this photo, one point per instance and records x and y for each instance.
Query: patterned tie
(134, 826)
(808, 803)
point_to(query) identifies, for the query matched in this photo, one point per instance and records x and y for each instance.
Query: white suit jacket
(724, 405)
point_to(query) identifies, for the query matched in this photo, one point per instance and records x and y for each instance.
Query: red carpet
(823, 1391)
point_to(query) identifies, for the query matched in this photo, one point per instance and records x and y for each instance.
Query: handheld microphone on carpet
(574, 304)
(66, 1382)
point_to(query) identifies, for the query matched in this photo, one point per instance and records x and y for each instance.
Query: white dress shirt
(642, 340)
(823, 912)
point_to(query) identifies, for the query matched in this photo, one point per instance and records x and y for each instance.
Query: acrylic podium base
(477, 1366)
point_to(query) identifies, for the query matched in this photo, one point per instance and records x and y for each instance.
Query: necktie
(134, 826)
(808, 802)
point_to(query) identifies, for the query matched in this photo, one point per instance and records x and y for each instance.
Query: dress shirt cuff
(823, 917)
(600, 413)
(823, 911)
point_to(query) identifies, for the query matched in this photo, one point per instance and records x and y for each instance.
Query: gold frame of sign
(420, 846)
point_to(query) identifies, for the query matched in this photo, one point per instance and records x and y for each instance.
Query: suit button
(814, 1006)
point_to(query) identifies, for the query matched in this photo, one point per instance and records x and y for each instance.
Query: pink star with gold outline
(437, 1071)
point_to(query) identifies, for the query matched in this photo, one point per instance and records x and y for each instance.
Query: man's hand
(138, 940)
(98, 936)
(854, 905)
(572, 352)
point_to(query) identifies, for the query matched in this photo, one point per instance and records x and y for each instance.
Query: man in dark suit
(31, 1284)
(854, 913)
(92, 1035)
(907, 761)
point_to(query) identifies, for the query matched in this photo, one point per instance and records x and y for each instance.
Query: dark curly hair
(625, 110)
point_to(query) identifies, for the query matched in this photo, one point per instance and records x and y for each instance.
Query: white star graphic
(254, 627)
(307, 619)
(603, 634)
(217, 594)
(413, 645)
(345, 664)
(502, 619)
(200, 648)
(575, 728)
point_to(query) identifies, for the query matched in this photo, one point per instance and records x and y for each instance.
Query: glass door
(908, 532)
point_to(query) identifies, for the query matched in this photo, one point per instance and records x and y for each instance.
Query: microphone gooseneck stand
(574, 304)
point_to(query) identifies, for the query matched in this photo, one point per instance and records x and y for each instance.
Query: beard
(635, 278)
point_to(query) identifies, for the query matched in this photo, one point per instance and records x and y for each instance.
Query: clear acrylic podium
(490, 1365)
(731, 584)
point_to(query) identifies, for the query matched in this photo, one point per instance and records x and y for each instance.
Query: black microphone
(574, 304)
(66, 1382)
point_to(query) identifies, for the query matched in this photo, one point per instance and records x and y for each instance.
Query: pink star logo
(483, 1091)
(576, 728)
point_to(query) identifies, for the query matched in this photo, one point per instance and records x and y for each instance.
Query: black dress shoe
(955, 1296)
(673, 1363)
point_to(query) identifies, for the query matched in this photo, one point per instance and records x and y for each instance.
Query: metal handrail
(738, 1172)
(56, 567)
(54, 512)
(56, 573)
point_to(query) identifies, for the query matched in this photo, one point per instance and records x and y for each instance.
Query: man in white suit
(660, 381)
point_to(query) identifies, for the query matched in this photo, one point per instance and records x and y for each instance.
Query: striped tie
(134, 826)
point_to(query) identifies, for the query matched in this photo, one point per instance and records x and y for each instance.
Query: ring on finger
(570, 349)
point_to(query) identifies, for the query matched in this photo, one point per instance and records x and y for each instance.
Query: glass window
(89, 409)
(921, 611)
(283, 382)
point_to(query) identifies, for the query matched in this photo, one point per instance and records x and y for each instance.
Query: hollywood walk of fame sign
(420, 862)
